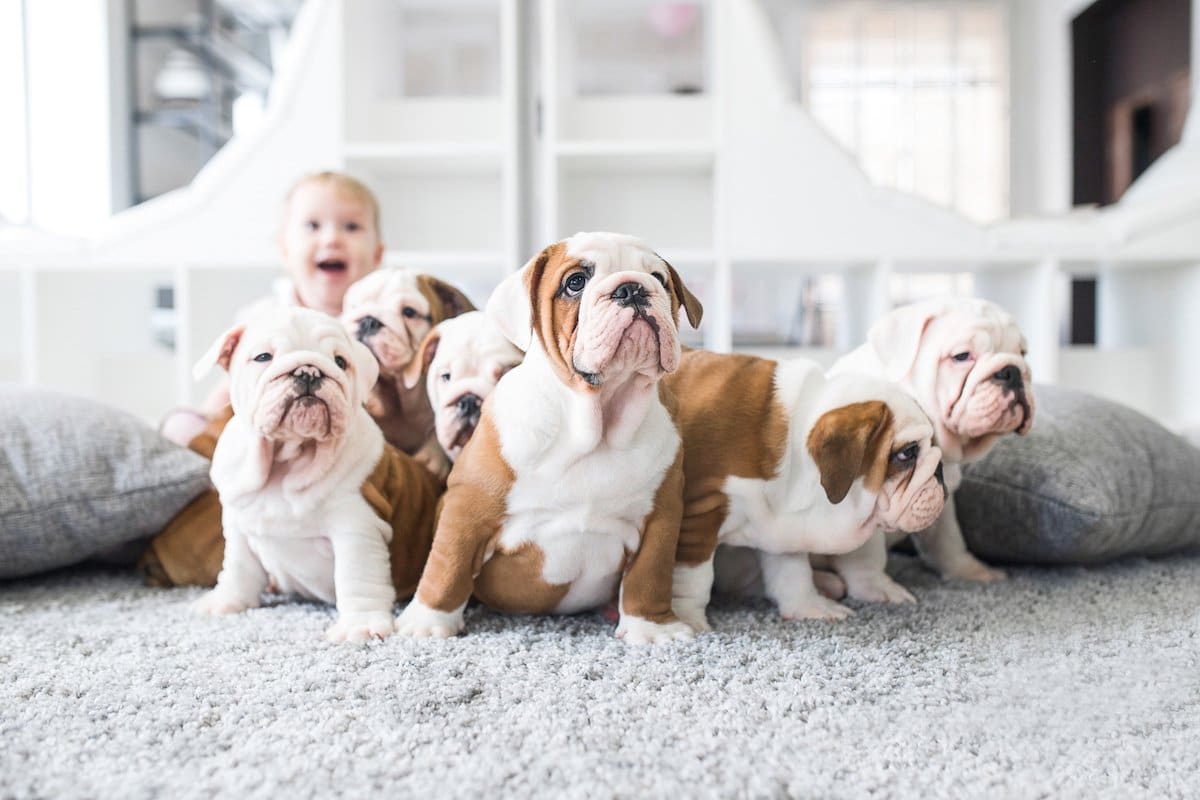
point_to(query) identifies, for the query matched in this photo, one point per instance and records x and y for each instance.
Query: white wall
(70, 147)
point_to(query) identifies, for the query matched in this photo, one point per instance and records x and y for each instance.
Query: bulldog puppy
(964, 362)
(291, 467)
(391, 311)
(780, 459)
(569, 495)
(464, 358)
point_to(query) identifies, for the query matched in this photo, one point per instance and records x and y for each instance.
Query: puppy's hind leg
(788, 580)
(942, 547)
(863, 570)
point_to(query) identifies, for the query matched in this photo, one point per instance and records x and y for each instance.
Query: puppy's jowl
(781, 462)
(964, 362)
(569, 494)
(391, 311)
(308, 488)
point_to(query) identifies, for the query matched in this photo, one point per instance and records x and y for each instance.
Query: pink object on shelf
(672, 20)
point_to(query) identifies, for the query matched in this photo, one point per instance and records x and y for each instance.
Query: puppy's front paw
(877, 588)
(814, 606)
(972, 569)
(635, 630)
(361, 626)
(422, 622)
(217, 603)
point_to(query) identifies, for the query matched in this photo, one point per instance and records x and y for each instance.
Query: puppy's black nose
(1009, 377)
(367, 327)
(467, 405)
(631, 294)
(308, 377)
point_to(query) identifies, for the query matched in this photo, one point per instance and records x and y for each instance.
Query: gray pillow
(80, 480)
(1092, 481)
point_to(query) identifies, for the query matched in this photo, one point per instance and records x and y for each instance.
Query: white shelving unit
(430, 123)
(690, 139)
(618, 154)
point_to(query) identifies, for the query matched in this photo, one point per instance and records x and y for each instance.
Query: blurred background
(805, 164)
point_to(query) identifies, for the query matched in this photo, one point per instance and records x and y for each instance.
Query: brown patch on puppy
(732, 425)
(445, 300)
(404, 494)
(472, 513)
(512, 581)
(851, 442)
(646, 584)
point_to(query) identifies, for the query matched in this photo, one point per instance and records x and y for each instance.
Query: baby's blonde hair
(341, 182)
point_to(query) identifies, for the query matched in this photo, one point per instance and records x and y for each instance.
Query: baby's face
(328, 242)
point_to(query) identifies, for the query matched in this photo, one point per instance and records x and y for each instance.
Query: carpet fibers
(1065, 682)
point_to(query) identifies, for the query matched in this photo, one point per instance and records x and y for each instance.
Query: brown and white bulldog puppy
(785, 461)
(391, 311)
(570, 493)
(964, 362)
(463, 359)
(291, 468)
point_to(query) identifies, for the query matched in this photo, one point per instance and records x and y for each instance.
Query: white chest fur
(581, 501)
(291, 533)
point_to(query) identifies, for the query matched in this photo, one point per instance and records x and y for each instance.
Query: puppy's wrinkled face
(388, 312)
(978, 374)
(877, 434)
(603, 306)
(968, 368)
(469, 357)
(295, 373)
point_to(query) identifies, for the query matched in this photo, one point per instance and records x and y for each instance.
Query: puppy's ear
(509, 308)
(367, 368)
(445, 301)
(850, 442)
(221, 352)
(684, 297)
(896, 338)
(421, 361)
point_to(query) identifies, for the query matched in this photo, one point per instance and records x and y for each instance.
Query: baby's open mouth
(331, 265)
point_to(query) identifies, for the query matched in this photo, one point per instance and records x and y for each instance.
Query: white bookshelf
(696, 144)
(430, 122)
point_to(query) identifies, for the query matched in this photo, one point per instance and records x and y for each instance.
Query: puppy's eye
(907, 456)
(409, 312)
(961, 357)
(263, 357)
(444, 377)
(660, 278)
(341, 362)
(574, 284)
(311, 225)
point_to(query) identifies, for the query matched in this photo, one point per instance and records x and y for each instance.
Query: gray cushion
(80, 480)
(1091, 482)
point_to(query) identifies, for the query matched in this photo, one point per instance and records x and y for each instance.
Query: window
(916, 90)
(14, 143)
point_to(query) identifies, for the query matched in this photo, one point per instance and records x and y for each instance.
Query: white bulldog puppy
(463, 359)
(964, 362)
(289, 468)
(782, 460)
(569, 494)
(391, 311)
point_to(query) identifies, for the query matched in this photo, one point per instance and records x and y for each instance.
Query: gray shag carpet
(1066, 682)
